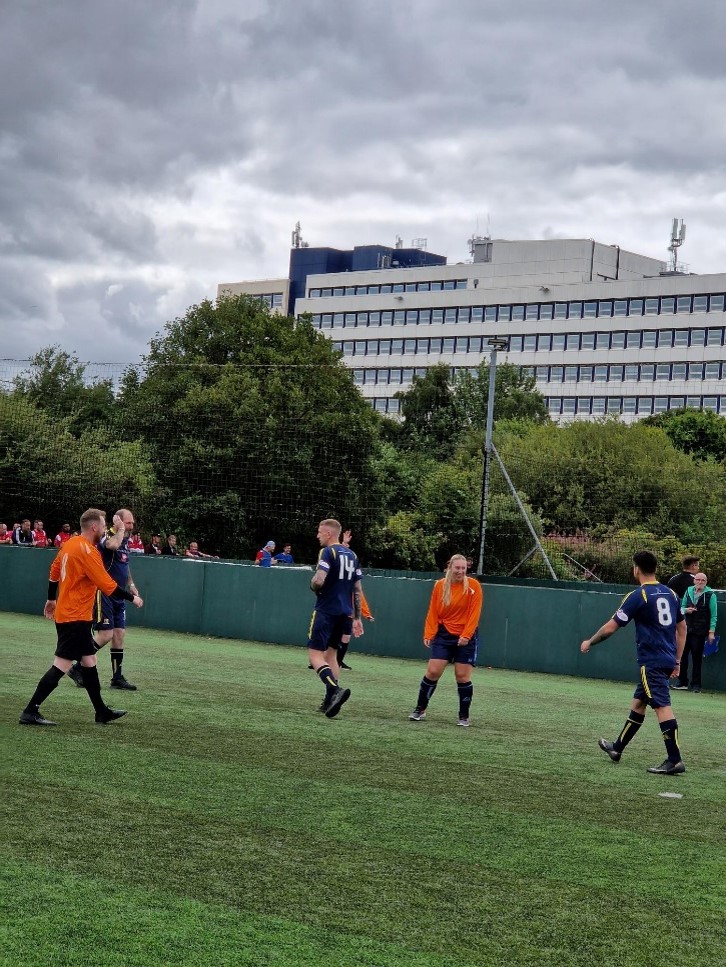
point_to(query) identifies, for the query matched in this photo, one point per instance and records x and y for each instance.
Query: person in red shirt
(76, 574)
(6, 536)
(40, 538)
(63, 535)
(136, 545)
(451, 632)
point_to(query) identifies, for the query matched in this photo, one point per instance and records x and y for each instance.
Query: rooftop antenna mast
(678, 237)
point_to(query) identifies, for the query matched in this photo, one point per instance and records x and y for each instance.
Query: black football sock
(669, 731)
(342, 651)
(632, 724)
(328, 679)
(425, 692)
(117, 657)
(47, 684)
(466, 691)
(93, 687)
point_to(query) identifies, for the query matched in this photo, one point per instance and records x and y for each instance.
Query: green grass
(225, 822)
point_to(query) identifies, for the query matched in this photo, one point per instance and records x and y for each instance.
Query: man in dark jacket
(684, 579)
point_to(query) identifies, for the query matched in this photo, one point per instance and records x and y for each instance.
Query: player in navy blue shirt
(336, 582)
(109, 615)
(660, 634)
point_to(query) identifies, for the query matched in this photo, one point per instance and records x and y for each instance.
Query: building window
(358, 376)
(662, 371)
(462, 344)
(435, 346)
(490, 314)
(360, 347)
(683, 304)
(695, 370)
(645, 405)
(573, 340)
(396, 347)
(629, 404)
(557, 374)
(714, 337)
(424, 317)
(700, 303)
(575, 310)
(698, 337)
(678, 371)
(423, 287)
(436, 287)
(437, 316)
(515, 344)
(326, 293)
(598, 405)
(717, 303)
(385, 347)
(647, 371)
(411, 317)
(570, 374)
(614, 404)
(560, 310)
(399, 317)
(409, 346)
(710, 403)
(632, 340)
(463, 314)
(531, 312)
(558, 341)
(713, 371)
(374, 318)
(530, 344)
(584, 405)
(651, 307)
(617, 340)
(505, 313)
(677, 402)
(517, 313)
(621, 307)
(554, 405)
(586, 373)
(547, 311)
(615, 374)
(649, 339)
(475, 344)
(350, 320)
(631, 374)
(590, 310)
(541, 374)
(448, 345)
(568, 405)
(605, 308)
(636, 307)
(587, 340)
(339, 320)
(667, 306)
(601, 374)
(450, 316)
(661, 404)
(665, 339)
(680, 337)
(477, 313)
(544, 342)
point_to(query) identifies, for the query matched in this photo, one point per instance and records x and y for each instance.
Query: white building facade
(603, 330)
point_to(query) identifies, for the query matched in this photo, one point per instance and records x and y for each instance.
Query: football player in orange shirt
(75, 574)
(451, 634)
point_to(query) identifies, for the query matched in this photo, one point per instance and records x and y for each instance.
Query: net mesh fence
(233, 456)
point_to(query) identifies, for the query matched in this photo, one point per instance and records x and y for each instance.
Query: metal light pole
(496, 343)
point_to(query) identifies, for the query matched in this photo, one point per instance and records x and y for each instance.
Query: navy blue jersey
(342, 573)
(656, 611)
(116, 561)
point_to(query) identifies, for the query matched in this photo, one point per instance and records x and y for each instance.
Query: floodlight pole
(495, 343)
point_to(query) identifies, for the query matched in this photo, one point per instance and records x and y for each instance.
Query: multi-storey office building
(601, 329)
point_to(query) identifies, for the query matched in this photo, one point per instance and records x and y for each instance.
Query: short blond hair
(333, 524)
(91, 516)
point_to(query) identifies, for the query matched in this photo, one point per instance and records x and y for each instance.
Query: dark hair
(690, 561)
(646, 561)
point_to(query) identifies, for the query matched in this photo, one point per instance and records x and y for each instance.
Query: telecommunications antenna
(678, 237)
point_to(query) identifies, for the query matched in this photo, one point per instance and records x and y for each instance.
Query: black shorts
(326, 630)
(74, 640)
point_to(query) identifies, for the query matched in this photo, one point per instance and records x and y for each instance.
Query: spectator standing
(63, 535)
(170, 549)
(136, 545)
(451, 632)
(40, 538)
(76, 574)
(701, 610)
(195, 554)
(684, 579)
(23, 534)
(154, 545)
(285, 556)
(660, 634)
(264, 556)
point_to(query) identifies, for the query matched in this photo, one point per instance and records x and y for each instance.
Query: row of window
(455, 315)
(641, 373)
(599, 405)
(542, 342)
(636, 405)
(271, 299)
(447, 285)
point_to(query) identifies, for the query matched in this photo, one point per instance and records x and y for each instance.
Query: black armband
(52, 590)
(120, 593)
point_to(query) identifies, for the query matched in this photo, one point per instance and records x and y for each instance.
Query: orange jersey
(461, 617)
(79, 571)
(365, 611)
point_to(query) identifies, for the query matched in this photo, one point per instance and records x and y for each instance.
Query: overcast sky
(149, 150)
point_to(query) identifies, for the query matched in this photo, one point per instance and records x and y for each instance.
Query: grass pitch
(225, 822)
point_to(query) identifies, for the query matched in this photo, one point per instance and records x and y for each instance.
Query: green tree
(430, 414)
(256, 426)
(516, 396)
(56, 381)
(698, 432)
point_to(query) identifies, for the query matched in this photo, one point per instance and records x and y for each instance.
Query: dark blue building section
(363, 258)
